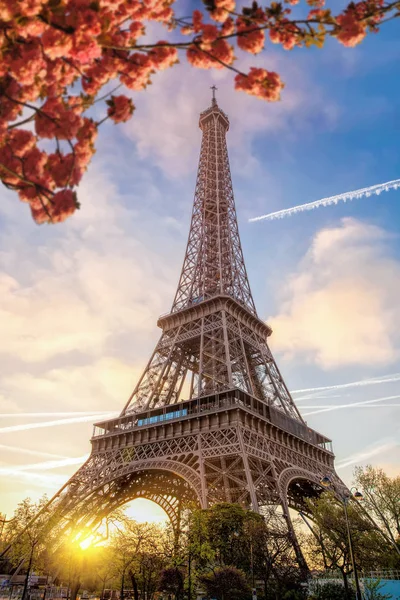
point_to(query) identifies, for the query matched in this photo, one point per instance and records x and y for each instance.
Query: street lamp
(358, 495)
(328, 483)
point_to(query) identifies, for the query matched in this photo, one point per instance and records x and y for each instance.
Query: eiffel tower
(211, 419)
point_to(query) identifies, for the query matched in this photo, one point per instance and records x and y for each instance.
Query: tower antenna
(214, 100)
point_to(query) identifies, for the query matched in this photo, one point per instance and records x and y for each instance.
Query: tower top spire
(214, 100)
(214, 264)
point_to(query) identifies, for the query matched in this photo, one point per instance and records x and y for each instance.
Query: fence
(390, 581)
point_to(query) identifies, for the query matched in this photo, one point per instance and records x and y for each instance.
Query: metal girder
(238, 437)
(212, 339)
(214, 261)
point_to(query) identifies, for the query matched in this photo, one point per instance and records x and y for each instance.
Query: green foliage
(284, 585)
(330, 591)
(329, 547)
(293, 595)
(200, 543)
(138, 556)
(171, 581)
(226, 583)
(220, 536)
(230, 526)
(32, 541)
(227, 535)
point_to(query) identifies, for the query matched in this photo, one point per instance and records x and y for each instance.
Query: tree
(274, 558)
(137, 554)
(226, 583)
(104, 570)
(58, 56)
(31, 545)
(80, 559)
(328, 545)
(381, 500)
(171, 581)
(227, 535)
(224, 535)
(73, 564)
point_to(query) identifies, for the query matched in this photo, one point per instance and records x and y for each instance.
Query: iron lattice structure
(212, 339)
(211, 418)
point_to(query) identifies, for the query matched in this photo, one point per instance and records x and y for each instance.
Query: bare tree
(381, 500)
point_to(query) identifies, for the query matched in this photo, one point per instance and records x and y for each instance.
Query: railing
(297, 428)
(389, 574)
(169, 413)
(211, 404)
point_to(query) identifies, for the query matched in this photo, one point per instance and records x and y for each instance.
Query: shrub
(329, 591)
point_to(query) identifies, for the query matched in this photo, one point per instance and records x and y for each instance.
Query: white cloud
(41, 480)
(78, 290)
(48, 414)
(340, 306)
(165, 128)
(102, 384)
(78, 306)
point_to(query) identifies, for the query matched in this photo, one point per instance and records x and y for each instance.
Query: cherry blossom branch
(21, 122)
(108, 94)
(221, 62)
(54, 46)
(15, 174)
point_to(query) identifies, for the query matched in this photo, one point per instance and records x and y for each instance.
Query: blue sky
(79, 301)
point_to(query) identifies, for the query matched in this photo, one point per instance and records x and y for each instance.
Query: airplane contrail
(26, 426)
(318, 396)
(351, 405)
(368, 191)
(360, 383)
(52, 414)
(362, 456)
(19, 450)
(39, 479)
(33, 473)
(50, 464)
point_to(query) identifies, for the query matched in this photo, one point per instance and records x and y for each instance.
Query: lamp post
(189, 573)
(327, 483)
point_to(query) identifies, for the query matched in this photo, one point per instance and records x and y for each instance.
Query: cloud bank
(340, 306)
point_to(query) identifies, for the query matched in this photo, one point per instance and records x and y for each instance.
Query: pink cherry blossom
(120, 108)
(263, 84)
(58, 56)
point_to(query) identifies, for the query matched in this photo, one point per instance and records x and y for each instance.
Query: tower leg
(249, 479)
(305, 571)
(204, 500)
(177, 528)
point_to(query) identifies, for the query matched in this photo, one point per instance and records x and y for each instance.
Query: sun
(86, 543)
